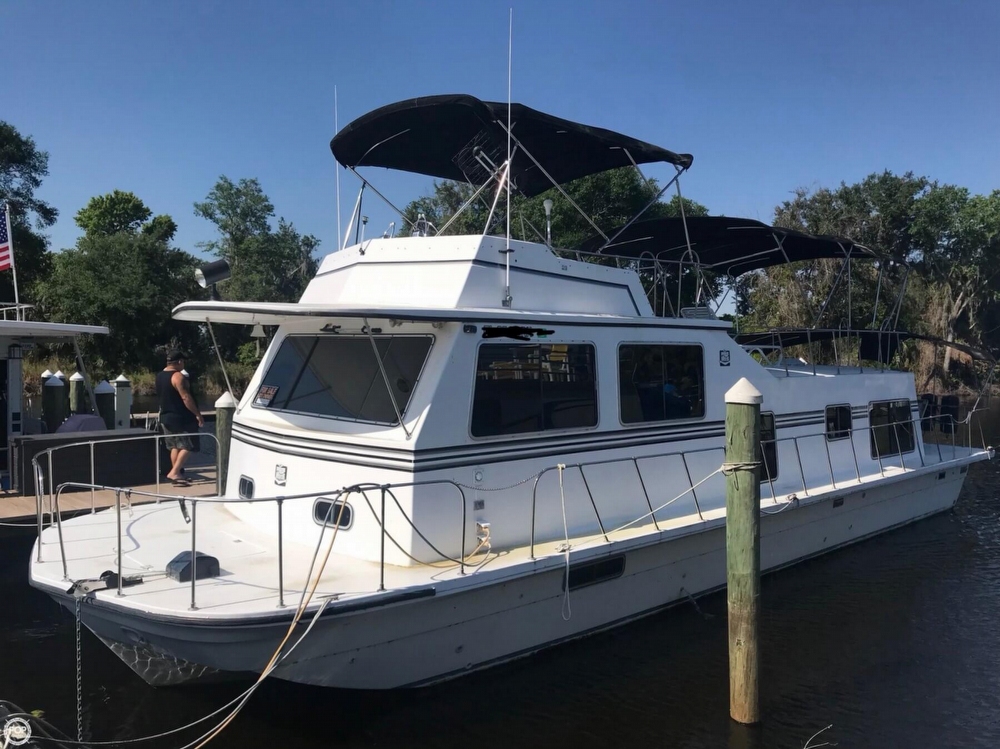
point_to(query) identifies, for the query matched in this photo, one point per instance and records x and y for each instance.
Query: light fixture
(547, 205)
(212, 273)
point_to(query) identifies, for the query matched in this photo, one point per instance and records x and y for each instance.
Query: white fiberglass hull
(419, 637)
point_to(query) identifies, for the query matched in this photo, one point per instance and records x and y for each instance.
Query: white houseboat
(459, 450)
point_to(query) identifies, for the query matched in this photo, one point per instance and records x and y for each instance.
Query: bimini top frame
(511, 146)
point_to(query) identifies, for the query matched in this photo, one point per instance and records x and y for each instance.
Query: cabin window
(891, 428)
(768, 447)
(534, 387)
(332, 513)
(339, 376)
(660, 382)
(838, 422)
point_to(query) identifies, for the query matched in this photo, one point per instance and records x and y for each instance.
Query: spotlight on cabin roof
(212, 273)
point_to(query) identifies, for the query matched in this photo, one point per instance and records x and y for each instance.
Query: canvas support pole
(555, 184)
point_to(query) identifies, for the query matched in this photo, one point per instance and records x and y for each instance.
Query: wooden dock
(16, 509)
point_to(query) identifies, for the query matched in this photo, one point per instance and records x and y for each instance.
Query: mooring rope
(567, 610)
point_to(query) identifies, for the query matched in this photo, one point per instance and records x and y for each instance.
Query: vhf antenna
(507, 299)
(336, 130)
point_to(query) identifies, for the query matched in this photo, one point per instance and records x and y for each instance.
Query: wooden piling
(743, 471)
(104, 394)
(224, 409)
(77, 394)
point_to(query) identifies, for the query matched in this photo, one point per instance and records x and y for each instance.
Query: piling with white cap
(77, 394)
(53, 404)
(65, 391)
(104, 394)
(742, 469)
(225, 407)
(123, 402)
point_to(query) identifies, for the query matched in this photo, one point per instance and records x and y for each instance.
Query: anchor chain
(79, 673)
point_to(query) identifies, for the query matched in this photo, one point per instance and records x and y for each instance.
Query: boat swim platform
(18, 510)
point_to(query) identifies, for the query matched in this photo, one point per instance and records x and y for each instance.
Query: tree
(957, 236)
(266, 265)
(949, 239)
(22, 167)
(123, 274)
(113, 213)
(877, 212)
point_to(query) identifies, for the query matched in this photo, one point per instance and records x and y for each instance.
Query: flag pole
(13, 267)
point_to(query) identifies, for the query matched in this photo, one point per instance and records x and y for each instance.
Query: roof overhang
(279, 313)
(48, 330)
(459, 137)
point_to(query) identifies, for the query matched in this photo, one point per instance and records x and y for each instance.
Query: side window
(660, 382)
(534, 387)
(838, 422)
(768, 447)
(891, 428)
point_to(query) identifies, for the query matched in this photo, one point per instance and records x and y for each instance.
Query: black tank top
(172, 409)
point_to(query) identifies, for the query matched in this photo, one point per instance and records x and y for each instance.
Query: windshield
(339, 376)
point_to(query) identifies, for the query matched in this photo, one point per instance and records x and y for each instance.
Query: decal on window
(265, 395)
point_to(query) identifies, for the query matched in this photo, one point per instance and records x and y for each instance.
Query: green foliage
(247, 354)
(129, 281)
(22, 167)
(115, 212)
(950, 238)
(267, 265)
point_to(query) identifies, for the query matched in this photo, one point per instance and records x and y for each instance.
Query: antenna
(336, 130)
(507, 299)
(510, 54)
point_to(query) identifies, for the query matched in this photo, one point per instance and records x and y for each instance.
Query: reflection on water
(893, 641)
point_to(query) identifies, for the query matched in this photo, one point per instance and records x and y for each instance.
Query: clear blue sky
(162, 98)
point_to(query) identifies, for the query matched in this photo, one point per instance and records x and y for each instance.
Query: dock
(19, 510)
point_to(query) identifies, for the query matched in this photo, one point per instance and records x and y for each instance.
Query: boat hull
(422, 639)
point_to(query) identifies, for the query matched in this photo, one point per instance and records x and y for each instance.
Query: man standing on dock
(179, 414)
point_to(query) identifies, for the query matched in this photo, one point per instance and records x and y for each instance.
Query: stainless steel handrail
(42, 480)
(387, 489)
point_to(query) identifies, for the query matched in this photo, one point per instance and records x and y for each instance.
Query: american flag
(6, 245)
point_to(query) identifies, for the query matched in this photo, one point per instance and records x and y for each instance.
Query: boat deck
(248, 585)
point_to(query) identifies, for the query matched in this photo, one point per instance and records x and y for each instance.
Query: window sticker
(265, 395)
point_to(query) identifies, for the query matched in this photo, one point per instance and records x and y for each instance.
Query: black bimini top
(448, 136)
(731, 246)
(876, 345)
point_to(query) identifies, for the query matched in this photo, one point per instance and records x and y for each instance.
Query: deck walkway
(16, 509)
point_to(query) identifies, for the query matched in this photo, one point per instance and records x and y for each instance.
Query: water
(894, 641)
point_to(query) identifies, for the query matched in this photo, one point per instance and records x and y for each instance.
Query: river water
(894, 641)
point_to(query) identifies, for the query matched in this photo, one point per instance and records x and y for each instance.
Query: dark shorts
(178, 443)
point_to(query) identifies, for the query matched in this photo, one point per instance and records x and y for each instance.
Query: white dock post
(123, 402)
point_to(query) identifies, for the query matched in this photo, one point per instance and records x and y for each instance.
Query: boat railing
(45, 483)
(16, 311)
(386, 492)
(663, 275)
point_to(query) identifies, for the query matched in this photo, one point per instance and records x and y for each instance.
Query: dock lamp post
(211, 274)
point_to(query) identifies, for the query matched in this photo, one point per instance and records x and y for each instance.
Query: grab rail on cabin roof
(386, 490)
